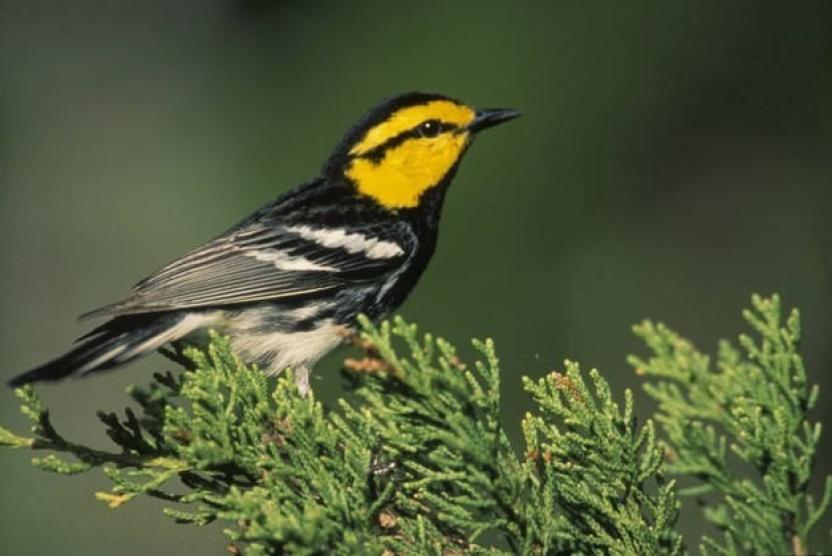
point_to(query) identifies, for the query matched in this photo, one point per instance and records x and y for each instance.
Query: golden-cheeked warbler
(287, 283)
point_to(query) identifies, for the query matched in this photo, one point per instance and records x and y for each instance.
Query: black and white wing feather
(269, 262)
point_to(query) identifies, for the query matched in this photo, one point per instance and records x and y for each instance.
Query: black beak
(490, 117)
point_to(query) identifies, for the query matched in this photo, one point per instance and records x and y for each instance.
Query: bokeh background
(673, 159)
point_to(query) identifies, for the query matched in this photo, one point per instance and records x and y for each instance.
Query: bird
(287, 283)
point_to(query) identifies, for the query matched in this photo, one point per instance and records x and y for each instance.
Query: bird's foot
(302, 380)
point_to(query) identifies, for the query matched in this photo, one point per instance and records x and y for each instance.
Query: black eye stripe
(376, 154)
(446, 126)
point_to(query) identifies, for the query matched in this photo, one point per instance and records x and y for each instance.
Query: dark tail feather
(115, 343)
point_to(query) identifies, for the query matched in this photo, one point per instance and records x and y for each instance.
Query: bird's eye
(430, 128)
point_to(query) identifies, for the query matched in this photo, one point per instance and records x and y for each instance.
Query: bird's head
(407, 145)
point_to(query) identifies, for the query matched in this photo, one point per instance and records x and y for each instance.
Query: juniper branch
(742, 428)
(418, 462)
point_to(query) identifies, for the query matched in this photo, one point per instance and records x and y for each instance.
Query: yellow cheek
(407, 171)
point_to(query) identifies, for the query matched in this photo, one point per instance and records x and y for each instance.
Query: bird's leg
(302, 380)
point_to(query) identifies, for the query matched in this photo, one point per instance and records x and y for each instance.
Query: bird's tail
(114, 343)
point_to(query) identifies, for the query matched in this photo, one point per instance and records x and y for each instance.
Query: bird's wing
(261, 263)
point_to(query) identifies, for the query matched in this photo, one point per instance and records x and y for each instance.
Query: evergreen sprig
(741, 428)
(416, 461)
(597, 464)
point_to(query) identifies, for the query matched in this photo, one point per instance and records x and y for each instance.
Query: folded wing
(262, 263)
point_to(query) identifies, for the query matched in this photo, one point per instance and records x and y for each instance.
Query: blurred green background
(673, 158)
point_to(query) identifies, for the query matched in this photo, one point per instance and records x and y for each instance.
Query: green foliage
(598, 463)
(416, 461)
(742, 429)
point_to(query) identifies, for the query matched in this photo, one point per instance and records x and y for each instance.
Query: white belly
(274, 338)
(277, 350)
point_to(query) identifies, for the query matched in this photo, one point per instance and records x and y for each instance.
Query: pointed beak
(490, 117)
